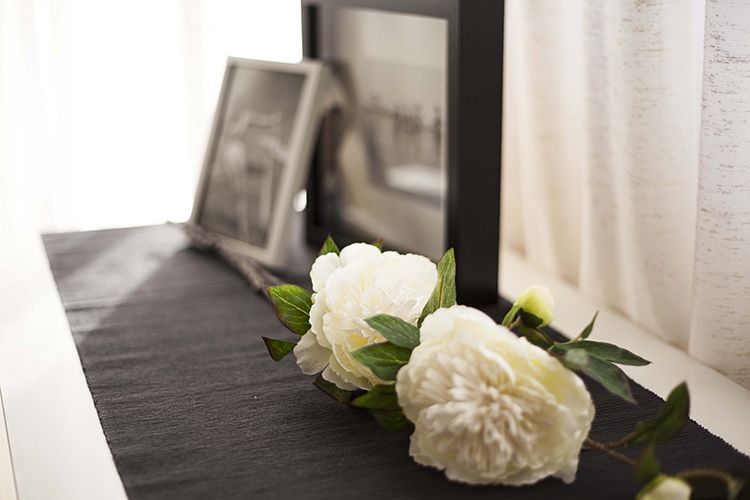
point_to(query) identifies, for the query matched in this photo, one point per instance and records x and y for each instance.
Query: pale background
(105, 109)
(625, 120)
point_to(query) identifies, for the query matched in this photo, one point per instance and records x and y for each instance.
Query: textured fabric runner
(193, 407)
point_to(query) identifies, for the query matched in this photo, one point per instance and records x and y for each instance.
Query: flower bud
(665, 488)
(536, 301)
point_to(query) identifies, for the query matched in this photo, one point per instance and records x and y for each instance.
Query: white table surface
(56, 440)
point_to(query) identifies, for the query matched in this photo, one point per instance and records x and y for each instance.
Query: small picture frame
(258, 155)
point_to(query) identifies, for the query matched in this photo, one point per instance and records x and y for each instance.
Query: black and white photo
(401, 117)
(251, 152)
(390, 172)
(258, 154)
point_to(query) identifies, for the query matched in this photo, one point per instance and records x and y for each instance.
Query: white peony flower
(349, 288)
(488, 407)
(537, 300)
(665, 488)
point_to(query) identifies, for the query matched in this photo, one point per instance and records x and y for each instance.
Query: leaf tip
(278, 349)
(329, 246)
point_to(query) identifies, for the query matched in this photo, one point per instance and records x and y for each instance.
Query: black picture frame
(474, 117)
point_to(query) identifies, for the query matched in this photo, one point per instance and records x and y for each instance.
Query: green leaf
(340, 395)
(603, 372)
(292, 304)
(715, 484)
(393, 421)
(380, 397)
(329, 246)
(444, 294)
(647, 466)
(589, 328)
(395, 330)
(378, 243)
(605, 351)
(669, 422)
(536, 337)
(278, 348)
(384, 359)
(530, 320)
(510, 315)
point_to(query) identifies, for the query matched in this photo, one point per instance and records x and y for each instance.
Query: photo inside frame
(250, 152)
(389, 177)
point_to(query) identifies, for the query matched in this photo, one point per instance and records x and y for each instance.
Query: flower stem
(606, 450)
(514, 324)
(619, 443)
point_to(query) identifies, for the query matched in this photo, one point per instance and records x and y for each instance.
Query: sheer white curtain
(627, 161)
(105, 106)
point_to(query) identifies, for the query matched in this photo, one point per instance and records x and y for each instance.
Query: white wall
(105, 106)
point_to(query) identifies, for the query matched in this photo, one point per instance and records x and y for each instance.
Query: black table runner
(192, 406)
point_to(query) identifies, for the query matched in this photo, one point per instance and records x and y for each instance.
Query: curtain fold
(641, 165)
(543, 188)
(720, 334)
(603, 141)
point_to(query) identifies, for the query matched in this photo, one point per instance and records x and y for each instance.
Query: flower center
(487, 415)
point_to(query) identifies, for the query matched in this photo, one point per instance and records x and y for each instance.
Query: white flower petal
(322, 268)
(568, 473)
(445, 323)
(358, 252)
(312, 358)
(347, 376)
(317, 312)
(415, 451)
(332, 377)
